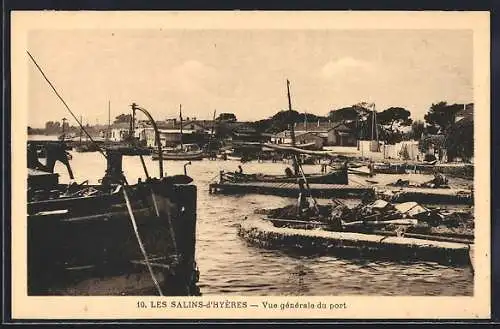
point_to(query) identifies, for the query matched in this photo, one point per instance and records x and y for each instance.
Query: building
(341, 135)
(332, 133)
(172, 137)
(119, 131)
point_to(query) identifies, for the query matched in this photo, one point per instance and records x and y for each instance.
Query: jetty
(353, 245)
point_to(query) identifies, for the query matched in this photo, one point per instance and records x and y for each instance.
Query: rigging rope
(66, 105)
(141, 245)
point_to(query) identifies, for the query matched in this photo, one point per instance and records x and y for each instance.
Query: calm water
(229, 266)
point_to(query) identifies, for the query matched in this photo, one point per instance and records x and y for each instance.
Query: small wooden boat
(186, 152)
(338, 176)
(233, 157)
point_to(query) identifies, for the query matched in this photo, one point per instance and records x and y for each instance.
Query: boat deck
(290, 189)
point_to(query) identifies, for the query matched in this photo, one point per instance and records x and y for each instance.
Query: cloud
(345, 65)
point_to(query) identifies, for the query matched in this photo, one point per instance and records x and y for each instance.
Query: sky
(244, 71)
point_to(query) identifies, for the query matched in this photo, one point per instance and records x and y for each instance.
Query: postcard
(257, 165)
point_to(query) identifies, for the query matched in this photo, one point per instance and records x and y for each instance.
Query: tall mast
(63, 125)
(180, 115)
(108, 133)
(292, 128)
(81, 131)
(292, 124)
(373, 119)
(213, 126)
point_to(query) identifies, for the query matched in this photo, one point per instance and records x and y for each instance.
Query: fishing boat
(299, 155)
(183, 152)
(338, 176)
(113, 238)
(187, 152)
(404, 231)
(110, 238)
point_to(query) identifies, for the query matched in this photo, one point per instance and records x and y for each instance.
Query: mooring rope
(141, 245)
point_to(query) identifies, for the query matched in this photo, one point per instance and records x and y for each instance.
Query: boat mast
(373, 119)
(292, 127)
(81, 120)
(213, 127)
(108, 133)
(180, 115)
(63, 132)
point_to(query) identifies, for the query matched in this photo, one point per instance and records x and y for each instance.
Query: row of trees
(391, 125)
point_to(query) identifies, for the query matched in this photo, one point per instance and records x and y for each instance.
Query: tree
(52, 127)
(286, 117)
(387, 119)
(442, 115)
(460, 140)
(394, 115)
(360, 115)
(230, 117)
(344, 114)
(123, 118)
(309, 117)
(417, 129)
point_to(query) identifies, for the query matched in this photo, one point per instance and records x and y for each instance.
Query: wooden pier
(291, 189)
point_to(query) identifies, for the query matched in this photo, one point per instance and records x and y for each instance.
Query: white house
(119, 131)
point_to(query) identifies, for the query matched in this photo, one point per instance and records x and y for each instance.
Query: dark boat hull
(334, 177)
(87, 245)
